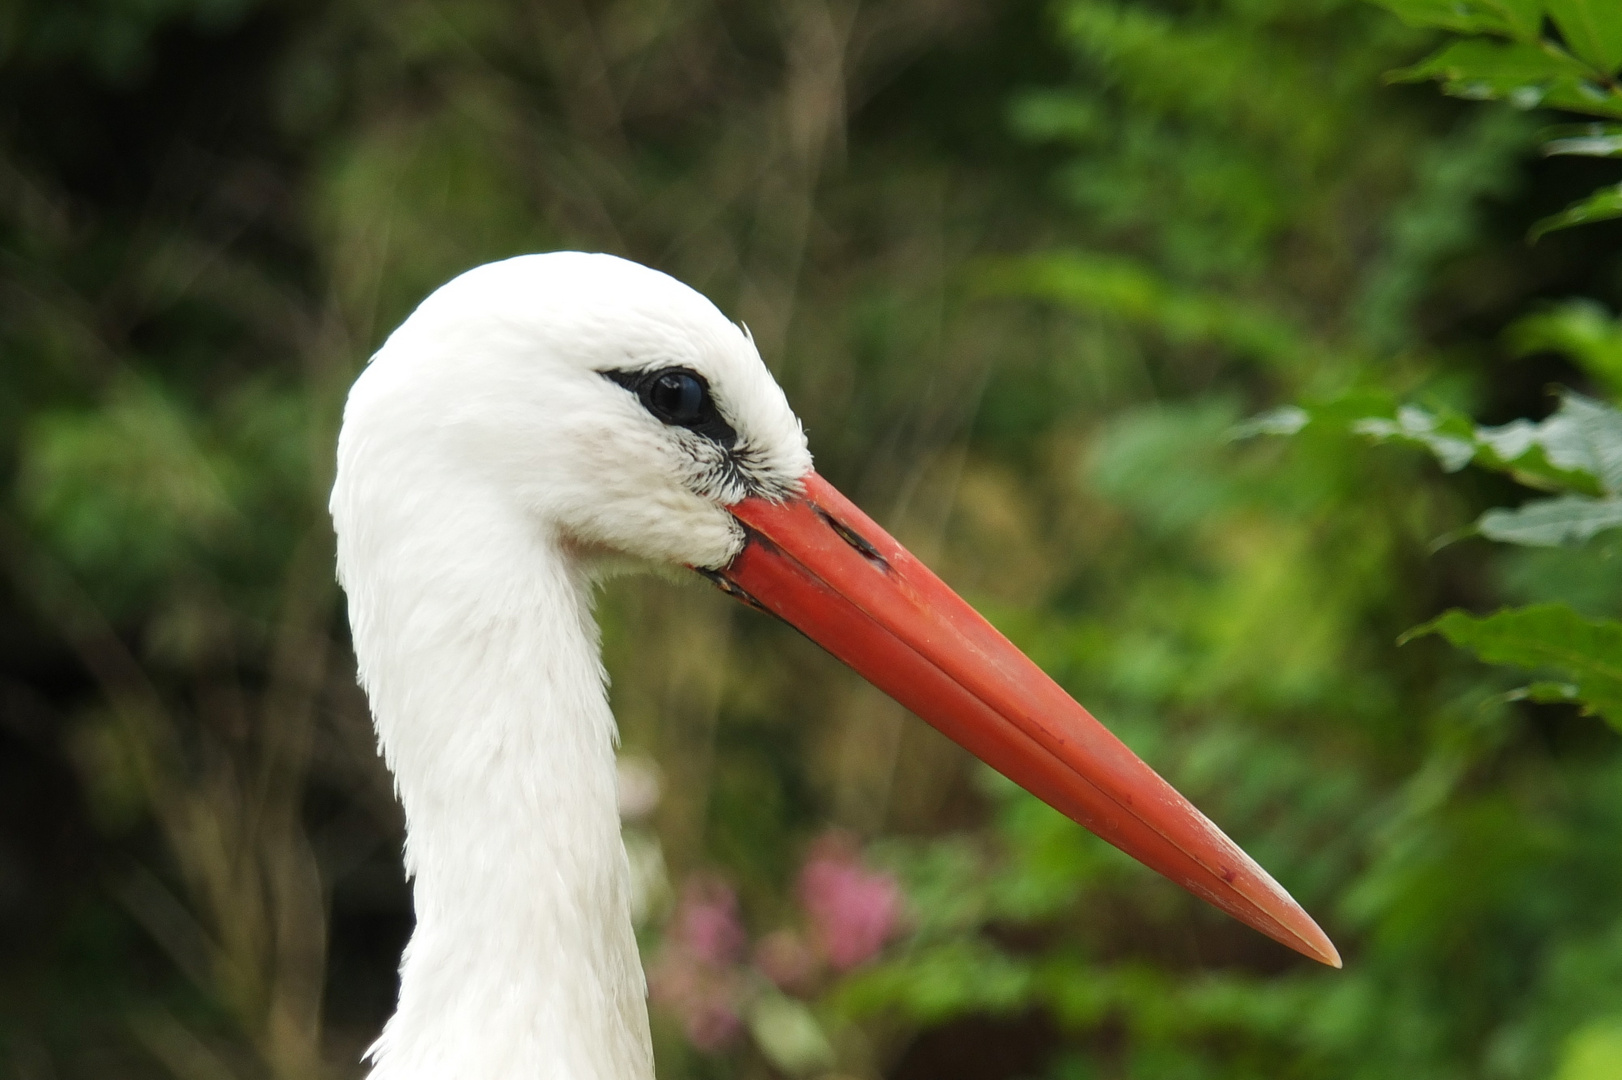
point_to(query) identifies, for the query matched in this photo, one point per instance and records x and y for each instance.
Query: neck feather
(480, 657)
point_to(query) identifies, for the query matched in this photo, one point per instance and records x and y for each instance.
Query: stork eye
(679, 397)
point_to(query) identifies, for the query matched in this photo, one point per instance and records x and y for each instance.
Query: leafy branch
(1575, 455)
(1587, 652)
(1559, 54)
(1577, 451)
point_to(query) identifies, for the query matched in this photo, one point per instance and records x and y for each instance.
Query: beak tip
(1279, 915)
(1311, 941)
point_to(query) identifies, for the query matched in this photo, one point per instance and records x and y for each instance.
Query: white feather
(484, 466)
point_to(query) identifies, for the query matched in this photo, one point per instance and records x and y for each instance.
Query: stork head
(620, 411)
(608, 401)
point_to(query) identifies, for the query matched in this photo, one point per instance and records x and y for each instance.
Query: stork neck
(481, 659)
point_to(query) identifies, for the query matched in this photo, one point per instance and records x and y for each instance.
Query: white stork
(533, 423)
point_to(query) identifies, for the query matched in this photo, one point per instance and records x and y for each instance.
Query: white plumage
(487, 473)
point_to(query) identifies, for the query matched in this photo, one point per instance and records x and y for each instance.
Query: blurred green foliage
(1565, 54)
(1470, 876)
(1036, 276)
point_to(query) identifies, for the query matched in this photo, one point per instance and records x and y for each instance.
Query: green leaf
(1583, 436)
(1579, 447)
(1437, 432)
(1592, 29)
(1586, 140)
(789, 1035)
(1525, 75)
(1284, 420)
(1582, 330)
(1548, 693)
(1604, 204)
(1588, 652)
(1577, 450)
(1568, 519)
(1514, 18)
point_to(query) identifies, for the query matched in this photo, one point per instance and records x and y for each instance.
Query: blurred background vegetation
(1047, 281)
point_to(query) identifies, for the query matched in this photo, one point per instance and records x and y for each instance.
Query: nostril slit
(854, 539)
(733, 589)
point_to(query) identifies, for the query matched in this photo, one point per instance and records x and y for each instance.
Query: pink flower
(696, 977)
(707, 923)
(853, 910)
(702, 998)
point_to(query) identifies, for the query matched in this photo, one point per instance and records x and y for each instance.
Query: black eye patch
(680, 397)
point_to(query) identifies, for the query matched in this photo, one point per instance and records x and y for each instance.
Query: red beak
(824, 567)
